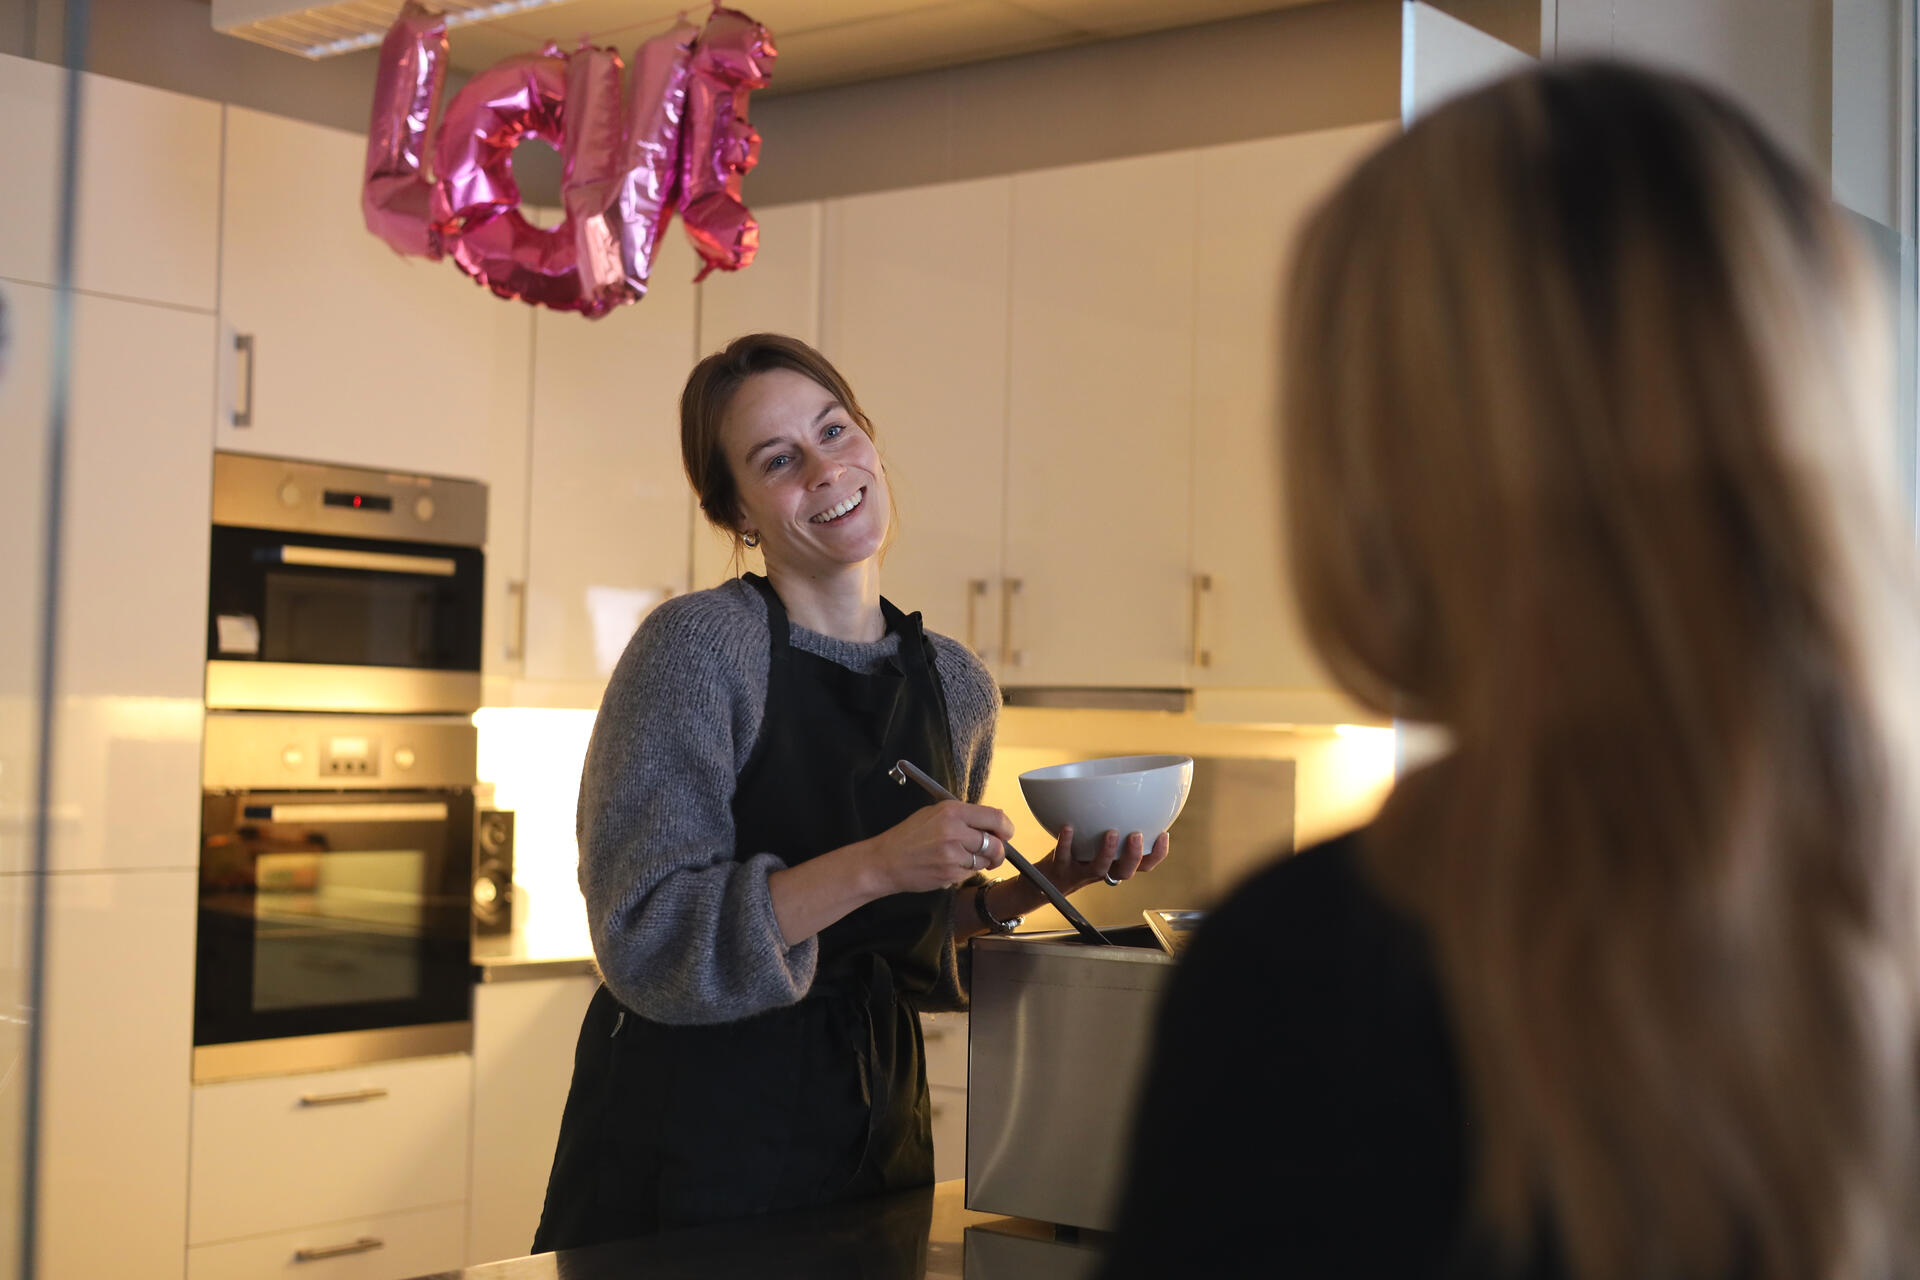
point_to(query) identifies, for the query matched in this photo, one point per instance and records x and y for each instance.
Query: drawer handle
(365, 1244)
(334, 1099)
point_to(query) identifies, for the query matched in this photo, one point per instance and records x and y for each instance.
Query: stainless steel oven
(341, 589)
(336, 863)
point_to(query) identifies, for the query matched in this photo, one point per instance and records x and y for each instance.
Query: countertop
(927, 1234)
(548, 940)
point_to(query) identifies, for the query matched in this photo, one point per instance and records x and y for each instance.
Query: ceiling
(827, 42)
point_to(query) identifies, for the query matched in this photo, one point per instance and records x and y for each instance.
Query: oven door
(333, 929)
(309, 622)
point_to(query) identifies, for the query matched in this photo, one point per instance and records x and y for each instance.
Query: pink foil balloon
(594, 117)
(656, 111)
(574, 105)
(733, 57)
(396, 195)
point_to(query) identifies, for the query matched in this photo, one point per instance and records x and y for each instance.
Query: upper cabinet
(916, 318)
(779, 293)
(1253, 197)
(333, 347)
(148, 182)
(608, 508)
(1100, 416)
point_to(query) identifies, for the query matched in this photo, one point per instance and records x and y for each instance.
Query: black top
(1303, 1111)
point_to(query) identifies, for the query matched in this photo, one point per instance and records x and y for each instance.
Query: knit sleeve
(683, 931)
(973, 711)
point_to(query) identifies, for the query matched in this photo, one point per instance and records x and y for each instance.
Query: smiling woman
(770, 912)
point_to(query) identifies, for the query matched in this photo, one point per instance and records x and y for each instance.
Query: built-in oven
(342, 589)
(336, 867)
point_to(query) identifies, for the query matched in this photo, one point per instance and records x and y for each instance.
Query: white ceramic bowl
(1123, 793)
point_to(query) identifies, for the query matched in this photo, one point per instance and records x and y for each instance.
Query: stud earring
(750, 540)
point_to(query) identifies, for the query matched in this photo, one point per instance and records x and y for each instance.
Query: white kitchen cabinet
(1100, 417)
(118, 1031)
(916, 318)
(779, 293)
(286, 1153)
(608, 504)
(359, 355)
(509, 445)
(147, 222)
(1253, 197)
(385, 1246)
(523, 1039)
(944, 1036)
(132, 645)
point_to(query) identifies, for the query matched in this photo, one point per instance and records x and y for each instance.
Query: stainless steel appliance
(342, 589)
(1058, 1043)
(492, 872)
(335, 876)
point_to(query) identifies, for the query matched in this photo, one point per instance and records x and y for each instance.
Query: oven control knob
(403, 758)
(290, 493)
(423, 509)
(293, 757)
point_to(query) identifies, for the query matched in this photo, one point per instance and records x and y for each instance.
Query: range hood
(324, 29)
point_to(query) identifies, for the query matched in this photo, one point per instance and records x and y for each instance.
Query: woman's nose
(822, 471)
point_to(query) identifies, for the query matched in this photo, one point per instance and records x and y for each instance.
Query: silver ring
(984, 839)
(1110, 880)
(973, 862)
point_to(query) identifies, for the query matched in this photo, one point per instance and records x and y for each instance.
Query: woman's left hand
(1117, 858)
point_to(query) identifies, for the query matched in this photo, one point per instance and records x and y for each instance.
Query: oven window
(354, 618)
(337, 928)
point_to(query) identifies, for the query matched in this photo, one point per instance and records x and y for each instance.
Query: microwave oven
(343, 589)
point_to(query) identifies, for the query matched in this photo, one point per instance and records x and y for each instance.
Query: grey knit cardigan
(682, 928)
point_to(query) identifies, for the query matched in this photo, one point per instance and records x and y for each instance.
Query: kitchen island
(927, 1234)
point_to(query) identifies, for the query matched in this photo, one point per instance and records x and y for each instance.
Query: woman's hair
(1586, 447)
(703, 408)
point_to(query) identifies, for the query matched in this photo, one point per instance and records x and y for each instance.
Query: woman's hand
(939, 846)
(1117, 858)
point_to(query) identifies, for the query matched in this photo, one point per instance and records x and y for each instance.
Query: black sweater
(1303, 1113)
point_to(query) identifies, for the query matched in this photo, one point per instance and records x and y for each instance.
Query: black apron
(809, 1104)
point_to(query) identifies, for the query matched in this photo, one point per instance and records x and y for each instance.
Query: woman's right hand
(939, 846)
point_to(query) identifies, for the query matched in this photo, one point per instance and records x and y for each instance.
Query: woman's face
(809, 478)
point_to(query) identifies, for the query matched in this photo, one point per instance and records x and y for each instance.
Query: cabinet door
(359, 355)
(114, 1101)
(779, 293)
(916, 318)
(1101, 409)
(509, 443)
(523, 1033)
(147, 222)
(608, 505)
(1252, 198)
(132, 645)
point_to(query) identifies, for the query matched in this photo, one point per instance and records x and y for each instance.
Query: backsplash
(1253, 786)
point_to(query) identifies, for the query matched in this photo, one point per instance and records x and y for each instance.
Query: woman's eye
(834, 430)
(777, 461)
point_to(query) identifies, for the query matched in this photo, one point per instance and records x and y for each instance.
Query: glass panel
(34, 344)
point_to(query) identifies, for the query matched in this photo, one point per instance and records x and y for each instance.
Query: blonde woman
(1587, 459)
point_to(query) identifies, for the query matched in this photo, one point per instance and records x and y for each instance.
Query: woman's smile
(841, 510)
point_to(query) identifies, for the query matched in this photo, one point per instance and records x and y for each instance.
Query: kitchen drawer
(410, 1244)
(275, 1154)
(945, 1035)
(949, 1132)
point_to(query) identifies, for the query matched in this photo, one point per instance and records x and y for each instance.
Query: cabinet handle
(1202, 584)
(517, 633)
(365, 1244)
(976, 587)
(1009, 588)
(349, 1095)
(243, 351)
